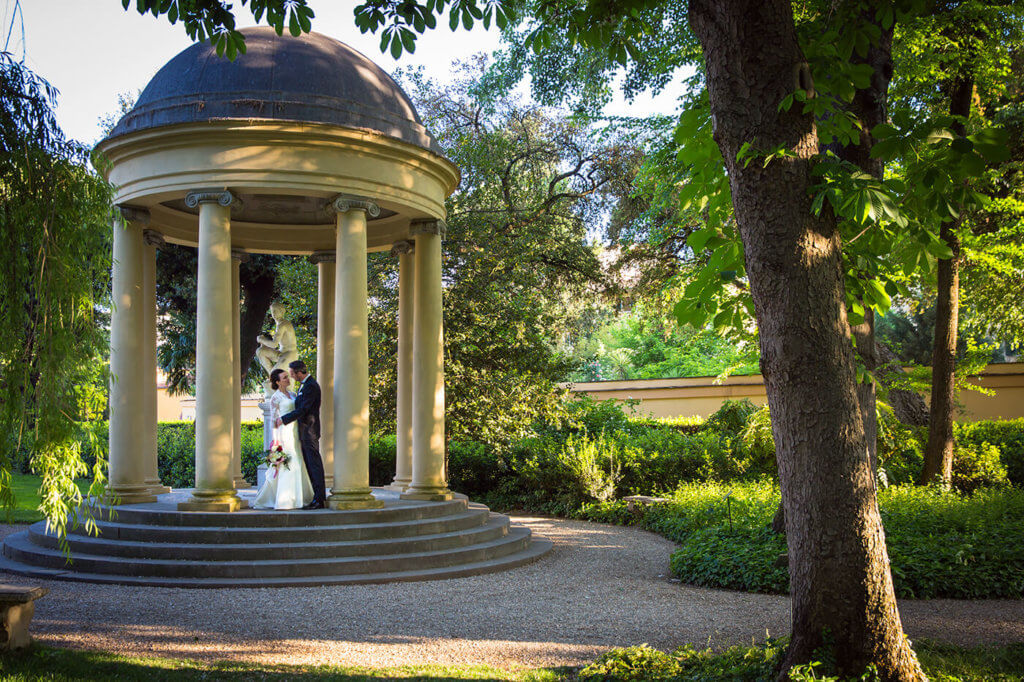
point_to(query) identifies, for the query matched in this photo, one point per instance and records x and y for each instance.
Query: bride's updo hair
(274, 376)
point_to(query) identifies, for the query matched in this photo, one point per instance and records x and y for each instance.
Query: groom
(307, 413)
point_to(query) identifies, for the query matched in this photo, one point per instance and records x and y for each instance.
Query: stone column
(325, 263)
(215, 490)
(152, 240)
(237, 258)
(128, 467)
(428, 475)
(351, 488)
(403, 409)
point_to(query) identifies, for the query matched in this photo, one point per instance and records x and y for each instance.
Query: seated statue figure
(277, 351)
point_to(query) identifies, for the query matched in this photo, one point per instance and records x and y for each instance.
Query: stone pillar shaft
(326, 284)
(149, 425)
(351, 488)
(403, 409)
(215, 379)
(428, 445)
(128, 413)
(236, 368)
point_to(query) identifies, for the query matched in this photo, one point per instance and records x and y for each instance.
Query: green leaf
(883, 131)
(699, 239)
(962, 145)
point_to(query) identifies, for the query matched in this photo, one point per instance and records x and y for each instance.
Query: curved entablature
(285, 176)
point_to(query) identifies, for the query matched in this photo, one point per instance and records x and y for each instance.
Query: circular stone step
(155, 544)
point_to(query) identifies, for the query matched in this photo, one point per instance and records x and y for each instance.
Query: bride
(285, 487)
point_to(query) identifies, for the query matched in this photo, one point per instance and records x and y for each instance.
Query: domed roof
(311, 78)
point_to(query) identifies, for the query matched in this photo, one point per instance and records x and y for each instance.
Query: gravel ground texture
(600, 587)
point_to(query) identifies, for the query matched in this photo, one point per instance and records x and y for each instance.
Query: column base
(399, 484)
(241, 483)
(353, 499)
(156, 487)
(129, 494)
(218, 501)
(428, 493)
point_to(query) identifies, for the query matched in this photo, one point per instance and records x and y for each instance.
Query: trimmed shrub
(1005, 434)
(941, 543)
(731, 418)
(383, 451)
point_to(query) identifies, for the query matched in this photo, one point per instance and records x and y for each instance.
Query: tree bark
(258, 293)
(938, 453)
(864, 334)
(839, 569)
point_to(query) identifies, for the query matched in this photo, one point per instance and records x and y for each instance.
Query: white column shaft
(149, 424)
(214, 364)
(325, 362)
(351, 367)
(236, 373)
(403, 411)
(128, 465)
(428, 446)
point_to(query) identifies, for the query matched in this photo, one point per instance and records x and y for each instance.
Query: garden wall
(702, 396)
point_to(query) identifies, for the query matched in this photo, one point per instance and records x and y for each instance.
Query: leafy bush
(900, 449)
(681, 424)
(176, 452)
(731, 418)
(941, 543)
(759, 662)
(383, 451)
(977, 465)
(1005, 434)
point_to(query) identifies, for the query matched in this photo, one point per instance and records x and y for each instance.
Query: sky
(93, 50)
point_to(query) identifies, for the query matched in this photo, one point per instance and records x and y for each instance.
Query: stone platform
(157, 545)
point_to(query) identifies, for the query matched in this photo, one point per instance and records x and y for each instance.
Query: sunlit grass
(26, 497)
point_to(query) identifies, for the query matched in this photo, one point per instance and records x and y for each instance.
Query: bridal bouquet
(277, 458)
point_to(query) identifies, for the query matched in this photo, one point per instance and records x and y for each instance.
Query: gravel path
(601, 586)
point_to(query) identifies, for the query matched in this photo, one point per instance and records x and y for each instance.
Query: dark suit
(307, 414)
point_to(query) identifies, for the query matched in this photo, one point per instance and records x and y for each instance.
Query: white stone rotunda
(301, 146)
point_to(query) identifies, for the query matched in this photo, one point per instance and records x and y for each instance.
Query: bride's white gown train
(287, 488)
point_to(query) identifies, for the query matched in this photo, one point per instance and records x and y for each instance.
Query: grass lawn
(26, 499)
(44, 664)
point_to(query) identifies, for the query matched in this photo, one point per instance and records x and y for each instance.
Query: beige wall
(171, 408)
(701, 396)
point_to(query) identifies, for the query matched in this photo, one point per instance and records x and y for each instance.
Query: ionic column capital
(132, 214)
(403, 247)
(205, 196)
(349, 202)
(318, 257)
(153, 238)
(428, 226)
(240, 255)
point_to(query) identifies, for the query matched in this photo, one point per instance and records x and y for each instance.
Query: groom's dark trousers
(307, 414)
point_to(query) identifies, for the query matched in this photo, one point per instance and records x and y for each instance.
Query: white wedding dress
(285, 488)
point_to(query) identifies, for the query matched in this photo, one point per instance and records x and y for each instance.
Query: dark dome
(311, 78)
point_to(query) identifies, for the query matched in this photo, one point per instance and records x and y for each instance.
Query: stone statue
(277, 351)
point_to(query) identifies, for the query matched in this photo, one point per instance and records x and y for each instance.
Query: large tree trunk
(864, 334)
(257, 287)
(938, 453)
(908, 406)
(839, 568)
